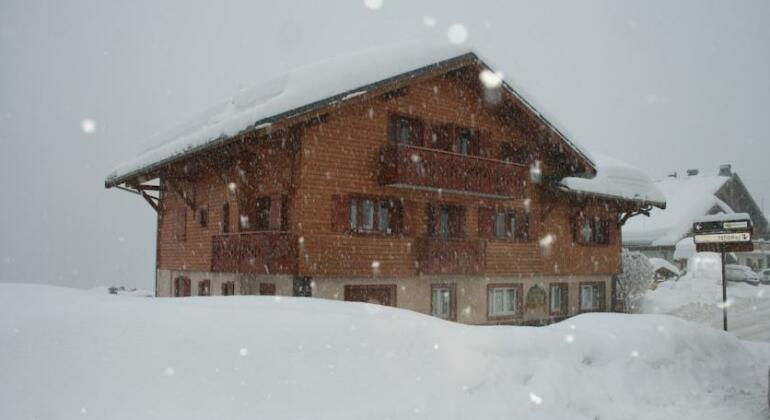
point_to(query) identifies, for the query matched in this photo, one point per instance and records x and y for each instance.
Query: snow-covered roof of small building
(686, 199)
(617, 179)
(305, 89)
(658, 263)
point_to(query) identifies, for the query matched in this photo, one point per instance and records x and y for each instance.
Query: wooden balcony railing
(438, 169)
(451, 256)
(269, 252)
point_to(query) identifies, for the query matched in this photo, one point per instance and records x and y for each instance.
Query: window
(591, 297)
(228, 288)
(267, 289)
(442, 302)
(372, 215)
(203, 216)
(204, 288)
(380, 294)
(558, 301)
(303, 287)
(445, 220)
(503, 224)
(592, 230)
(503, 300)
(225, 223)
(466, 142)
(407, 131)
(181, 287)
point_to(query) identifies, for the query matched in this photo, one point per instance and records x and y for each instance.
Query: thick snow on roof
(723, 217)
(684, 249)
(686, 199)
(338, 78)
(658, 263)
(615, 178)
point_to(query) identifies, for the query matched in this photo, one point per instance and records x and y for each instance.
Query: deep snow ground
(70, 354)
(700, 299)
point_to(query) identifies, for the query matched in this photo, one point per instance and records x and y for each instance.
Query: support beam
(153, 201)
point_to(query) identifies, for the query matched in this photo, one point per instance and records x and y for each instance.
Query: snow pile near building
(697, 296)
(69, 354)
(617, 179)
(686, 198)
(658, 263)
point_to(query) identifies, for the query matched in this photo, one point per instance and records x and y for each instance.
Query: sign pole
(724, 288)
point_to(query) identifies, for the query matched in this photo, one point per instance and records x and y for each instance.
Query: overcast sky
(663, 85)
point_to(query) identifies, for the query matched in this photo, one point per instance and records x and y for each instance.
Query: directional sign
(723, 237)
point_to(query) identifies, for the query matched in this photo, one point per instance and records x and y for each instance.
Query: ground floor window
(442, 301)
(228, 288)
(181, 287)
(267, 289)
(204, 288)
(381, 294)
(504, 300)
(591, 296)
(303, 287)
(558, 298)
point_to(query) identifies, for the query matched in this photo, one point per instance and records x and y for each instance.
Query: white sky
(663, 85)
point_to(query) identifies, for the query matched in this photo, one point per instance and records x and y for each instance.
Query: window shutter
(429, 137)
(181, 223)
(392, 121)
(408, 218)
(564, 299)
(418, 133)
(602, 299)
(486, 222)
(340, 213)
(480, 143)
(522, 226)
(430, 218)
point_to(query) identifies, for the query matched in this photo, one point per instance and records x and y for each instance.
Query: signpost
(723, 233)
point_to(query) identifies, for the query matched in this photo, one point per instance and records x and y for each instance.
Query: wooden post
(724, 288)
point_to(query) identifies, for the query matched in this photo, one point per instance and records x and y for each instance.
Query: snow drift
(73, 354)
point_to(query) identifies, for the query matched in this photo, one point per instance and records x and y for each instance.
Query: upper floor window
(374, 215)
(407, 131)
(225, 223)
(445, 220)
(466, 142)
(592, 230)
(503, 223)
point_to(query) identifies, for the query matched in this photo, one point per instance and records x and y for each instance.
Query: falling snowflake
(429, 21)
(457, 33)
(491, 79)
(726, 304)
(569, 338)
(634, 353)
(244, 351)
(373, 4)
(534, 399)
(170, 371)
(88, 126)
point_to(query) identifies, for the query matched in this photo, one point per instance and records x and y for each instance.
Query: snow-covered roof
(617, 179)
(722, 217)
(658, 263)
(686, 199)
(305, 89)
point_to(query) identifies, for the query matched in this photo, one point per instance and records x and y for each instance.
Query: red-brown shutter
(486, 222)
(522, 226)
(409, 220)
(392, 129)
(419, 133)
(429, 139)
(484, 144)
(340, 213)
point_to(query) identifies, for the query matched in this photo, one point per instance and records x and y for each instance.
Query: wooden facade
(418, 183)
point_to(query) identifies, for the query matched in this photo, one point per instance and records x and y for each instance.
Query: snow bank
(72, 354)
(618, 179)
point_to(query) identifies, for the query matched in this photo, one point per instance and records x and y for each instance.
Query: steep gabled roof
(308, 89)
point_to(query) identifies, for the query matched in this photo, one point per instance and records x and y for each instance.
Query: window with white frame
(503, 301)
(441, 302)
(556, 298)
(590, 297)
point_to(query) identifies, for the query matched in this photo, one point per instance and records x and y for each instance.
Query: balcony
(420, 167)
(269, 252)
(451, 256)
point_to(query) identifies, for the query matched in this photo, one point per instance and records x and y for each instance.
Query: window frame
(228, 288)
(455, 221)
(563, 298)
(415, 130)
(519, 303)
(501, 223)
(598, 295)
(592, 230)
(451, 289)
(204, 285)
(356, 215)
